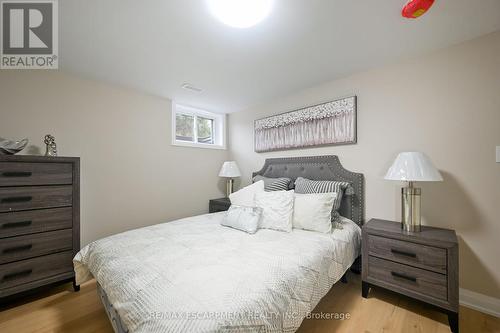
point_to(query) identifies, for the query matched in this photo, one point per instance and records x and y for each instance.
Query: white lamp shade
(229, 170)
(415, 167)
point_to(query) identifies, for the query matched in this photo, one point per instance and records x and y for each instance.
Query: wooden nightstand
(422, 265)
(219, 205)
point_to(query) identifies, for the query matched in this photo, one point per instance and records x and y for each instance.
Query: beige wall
(131, 175)
(447, 105)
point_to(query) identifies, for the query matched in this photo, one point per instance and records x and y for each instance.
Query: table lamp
(229, 170)
(412, 167)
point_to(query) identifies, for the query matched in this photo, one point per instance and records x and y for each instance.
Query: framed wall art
(331, 123)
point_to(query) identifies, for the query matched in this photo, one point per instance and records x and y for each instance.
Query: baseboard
(480, 302)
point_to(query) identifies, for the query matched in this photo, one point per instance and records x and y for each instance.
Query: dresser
(422, 265)
(39, 221)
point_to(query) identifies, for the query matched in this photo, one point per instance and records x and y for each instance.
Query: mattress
(194, 275)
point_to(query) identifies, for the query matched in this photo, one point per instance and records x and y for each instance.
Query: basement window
(192, 127)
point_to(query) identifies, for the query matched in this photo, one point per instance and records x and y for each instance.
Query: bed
(194, 275)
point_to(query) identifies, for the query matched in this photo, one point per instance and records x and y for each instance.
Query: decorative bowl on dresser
(219, 205)
(39, 221)
(422, 265)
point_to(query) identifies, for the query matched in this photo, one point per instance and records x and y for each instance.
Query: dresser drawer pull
(17, 199)
(15, 174)
(21, 248)
(404, 253)
(403, 276)
(17, 275)
(16, 224)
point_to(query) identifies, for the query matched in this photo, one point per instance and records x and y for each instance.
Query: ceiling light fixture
(240, 13)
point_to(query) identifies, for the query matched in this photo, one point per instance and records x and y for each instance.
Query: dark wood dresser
(39, 221)
(422, 265)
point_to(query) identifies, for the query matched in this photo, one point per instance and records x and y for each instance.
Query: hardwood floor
(61, 310)
(386, 312)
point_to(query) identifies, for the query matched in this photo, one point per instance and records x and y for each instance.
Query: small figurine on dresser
(51, 147)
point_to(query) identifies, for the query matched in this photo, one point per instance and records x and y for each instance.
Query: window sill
(197, 145)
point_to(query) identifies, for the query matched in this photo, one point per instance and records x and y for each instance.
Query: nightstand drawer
(427, 257)
(218, 208)
(408, 278)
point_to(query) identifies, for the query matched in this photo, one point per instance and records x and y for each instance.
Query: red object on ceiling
(416, 8)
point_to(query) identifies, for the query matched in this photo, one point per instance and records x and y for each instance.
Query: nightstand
(219, 205)
(422, 265)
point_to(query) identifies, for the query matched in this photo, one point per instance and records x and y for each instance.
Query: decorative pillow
(313, 211)
(305, 186)
(274, 184)
(243, 218)
(245, 196)
(277, 209)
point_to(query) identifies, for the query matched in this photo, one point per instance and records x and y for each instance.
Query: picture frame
(325, 124)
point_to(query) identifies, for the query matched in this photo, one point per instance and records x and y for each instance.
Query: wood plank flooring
(61, 310)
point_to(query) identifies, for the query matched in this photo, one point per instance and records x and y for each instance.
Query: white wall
(447, 105)
(130, 174)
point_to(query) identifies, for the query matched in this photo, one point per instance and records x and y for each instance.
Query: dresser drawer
(29, 246)
(26, 198)
(24, 271)
(427, 257)
(409, 278)
(34, 221)
(28, 174)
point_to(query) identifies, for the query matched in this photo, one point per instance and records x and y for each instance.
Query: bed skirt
(113, 316)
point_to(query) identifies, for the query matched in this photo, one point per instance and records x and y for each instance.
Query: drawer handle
(16, 174)
(16, 224)
(21, 248)
(17, 275)
(404, 253)
(403, 276)
(17, 199)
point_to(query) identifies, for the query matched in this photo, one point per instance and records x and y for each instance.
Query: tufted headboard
(321, 168)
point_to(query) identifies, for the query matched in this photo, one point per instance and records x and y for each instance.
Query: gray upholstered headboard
(321, 168)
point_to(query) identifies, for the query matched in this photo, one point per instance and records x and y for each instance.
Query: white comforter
(194, 275)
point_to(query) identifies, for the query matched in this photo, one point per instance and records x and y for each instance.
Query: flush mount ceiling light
(240, 13)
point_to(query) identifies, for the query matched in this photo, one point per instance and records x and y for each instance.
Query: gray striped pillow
(274, 184)
(306, 186)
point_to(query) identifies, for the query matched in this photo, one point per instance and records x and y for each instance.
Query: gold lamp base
(229, 187)
(410, 210)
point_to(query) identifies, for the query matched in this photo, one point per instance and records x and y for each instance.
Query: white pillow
(277, 209)
(245, 196)
(314, 211)
(243, 218)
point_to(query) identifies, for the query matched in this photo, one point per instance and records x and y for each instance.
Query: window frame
(219, 127)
